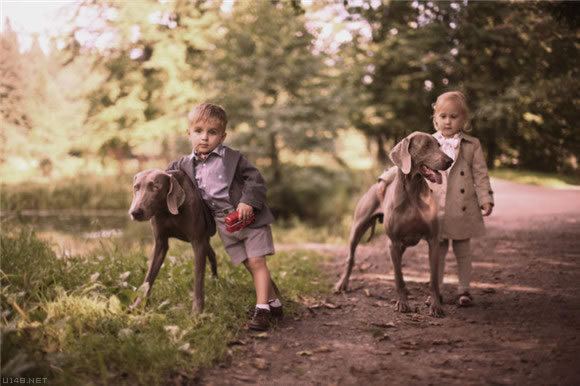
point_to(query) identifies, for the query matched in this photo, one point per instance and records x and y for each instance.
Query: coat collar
(230, 156)
(462, 136)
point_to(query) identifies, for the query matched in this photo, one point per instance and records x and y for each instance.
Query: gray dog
(175, 209)
(408, 210)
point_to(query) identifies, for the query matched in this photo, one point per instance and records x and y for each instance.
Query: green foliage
(514, 61)
(279, 94)
(313, 194)
(149, 80)
(78, 193)
(287, 83)
(68, 319)
(12, 82)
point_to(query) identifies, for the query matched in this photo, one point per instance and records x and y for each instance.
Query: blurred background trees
(295, 76)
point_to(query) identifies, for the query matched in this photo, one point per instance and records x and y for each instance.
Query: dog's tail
(374, 224)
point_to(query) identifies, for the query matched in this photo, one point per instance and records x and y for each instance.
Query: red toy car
(234, 224)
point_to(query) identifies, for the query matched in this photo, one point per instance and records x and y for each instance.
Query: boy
(228, 182)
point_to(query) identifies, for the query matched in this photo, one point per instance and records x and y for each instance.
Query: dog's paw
(402, 306)
(341, 286)
(135, 305)
(436, 311)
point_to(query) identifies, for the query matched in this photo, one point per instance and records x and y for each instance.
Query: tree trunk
(275, 160)
(492, 149)
(382, 155)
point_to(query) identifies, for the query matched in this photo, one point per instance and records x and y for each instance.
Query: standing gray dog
(408, 209)
(175, 209)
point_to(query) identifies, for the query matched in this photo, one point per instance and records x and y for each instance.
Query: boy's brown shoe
(277, 313)
(261, 320)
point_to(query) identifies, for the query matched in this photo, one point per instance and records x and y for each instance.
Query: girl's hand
(245, 211)
(486, 209)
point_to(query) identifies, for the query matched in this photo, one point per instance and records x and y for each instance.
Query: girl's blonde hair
(452, 96)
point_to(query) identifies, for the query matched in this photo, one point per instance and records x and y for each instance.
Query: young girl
(465, 194)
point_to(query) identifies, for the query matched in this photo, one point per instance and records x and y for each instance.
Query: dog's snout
(137, 214)
(448, 162)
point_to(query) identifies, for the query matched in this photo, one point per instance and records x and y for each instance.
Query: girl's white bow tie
(448, 145)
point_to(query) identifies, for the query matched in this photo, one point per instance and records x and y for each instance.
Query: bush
(315, 194)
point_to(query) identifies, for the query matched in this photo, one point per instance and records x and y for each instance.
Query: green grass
(68, 319)
(295, 231)
(89, 192)
(537, 178)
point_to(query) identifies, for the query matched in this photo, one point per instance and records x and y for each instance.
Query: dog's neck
(414, 185)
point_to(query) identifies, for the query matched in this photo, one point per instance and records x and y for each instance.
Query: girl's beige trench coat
(468, 188)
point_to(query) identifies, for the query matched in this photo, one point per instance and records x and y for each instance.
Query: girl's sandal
(464, 300)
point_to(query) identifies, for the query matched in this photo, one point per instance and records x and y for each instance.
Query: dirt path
(523, 330)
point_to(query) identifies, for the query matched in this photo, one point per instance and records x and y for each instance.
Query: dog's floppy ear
(175, 196)
(400, 155)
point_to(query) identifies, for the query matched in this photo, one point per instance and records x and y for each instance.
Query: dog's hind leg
(212, 259)
(357, 232)
(366, 213)
(200, 252)
(397, 249)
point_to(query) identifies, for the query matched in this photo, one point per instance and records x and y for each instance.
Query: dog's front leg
(397, 249)
(435, 309)
(155, 261)
(200, 251)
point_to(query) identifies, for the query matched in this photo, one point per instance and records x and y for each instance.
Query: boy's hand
(245, 211)
(486, 209)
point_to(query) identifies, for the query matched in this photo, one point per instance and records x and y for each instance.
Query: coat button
(462, 190)
(463, 209)
(462, 173)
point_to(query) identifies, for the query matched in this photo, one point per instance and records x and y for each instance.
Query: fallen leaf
(186, 348)
(367, 292)
(238, 342)
(322, 349)
(243, 378)
(382, 337)
(262, 335)
(384, 325)
(306, 353)
(378, 352)
(260, 363)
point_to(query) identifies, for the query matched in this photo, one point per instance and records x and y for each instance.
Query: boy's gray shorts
(247, 242)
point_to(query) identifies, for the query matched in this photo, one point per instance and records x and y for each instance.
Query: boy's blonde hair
(207, 111)
(452, 96)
